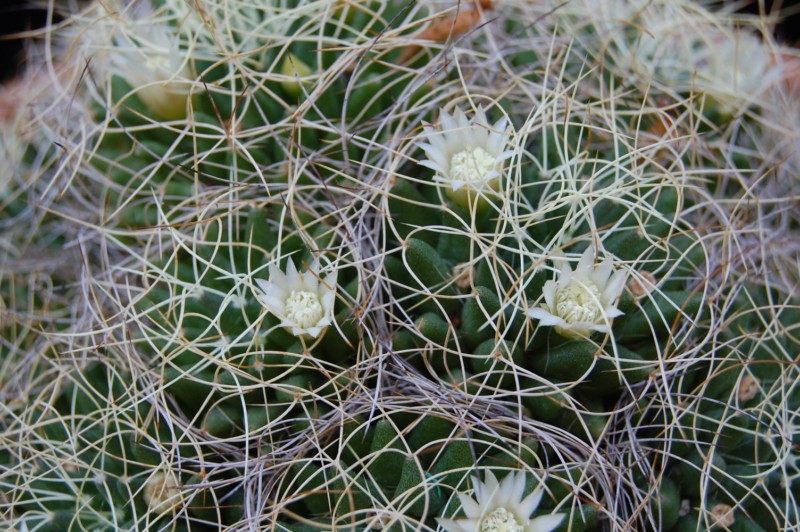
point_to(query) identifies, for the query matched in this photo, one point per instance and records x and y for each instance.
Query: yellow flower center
(304, 309)
(471, 165)
(500, 520)
(579, 302)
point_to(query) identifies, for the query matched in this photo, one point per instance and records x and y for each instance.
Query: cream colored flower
(501, 507)
(732, 67)
(148, 56)
(581, 301)
(739, 68)
(467, 155)
(302, 301)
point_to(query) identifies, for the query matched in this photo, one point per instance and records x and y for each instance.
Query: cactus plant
(325, 265)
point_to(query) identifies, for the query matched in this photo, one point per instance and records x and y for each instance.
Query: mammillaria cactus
(320, 265)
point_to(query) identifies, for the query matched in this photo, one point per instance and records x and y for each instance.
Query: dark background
(18, 15)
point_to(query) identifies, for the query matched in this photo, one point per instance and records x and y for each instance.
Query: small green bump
(688, 523)
(477, 315)
(568, 362)
(668, 504)
(627, 367)
(492, 362)
(743, 523)
(658, 313)
(430, 430)
(358, 437)
(142, 453)
(189, 384)
(434, 328)
(260, 416)
(295, 387)
(366, 98)
(201, 502)
(584, 517)
(224, 419)
(411, 485)
(559, 486)
(527, 453)
(546, 407)
(431, 272)
(455, 463)
(699, 473)
(234, 507)
(388, 453)
(404, 342)
(587, 425)
(340, 344)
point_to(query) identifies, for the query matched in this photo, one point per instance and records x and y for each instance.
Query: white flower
(467, 155)
(302, 301)
(732, 67)
(148, 56)
(739, 68)
(581, 301)
(501, 507)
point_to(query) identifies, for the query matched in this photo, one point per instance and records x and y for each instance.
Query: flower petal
(276, 276)
(545, 523)
(265, 286)
(546, 319)
(507, 490)
(529, 504)
(471, 509)
(613, 287)
(313, 332)
(601, 273)
(451, 525)
(447, 121)
(330, 280)
(599, 327)
(291, 269)
(549, 292)
(276, 305)
(311, 277)
(327, 301)
(436, 167)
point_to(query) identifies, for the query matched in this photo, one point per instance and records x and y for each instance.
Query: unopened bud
(642, 285)
(296, 70)
(722, 515)
(748, 388)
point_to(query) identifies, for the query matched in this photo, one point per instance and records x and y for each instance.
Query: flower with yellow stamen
(581, 301)
(501, 507)
(302, 301)
(467, 155)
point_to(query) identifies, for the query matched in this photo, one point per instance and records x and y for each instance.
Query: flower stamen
(502, 507)
(304, 308)
(500, 520)
(302, 301)
(471, 165)
(579, 302)
(468, 155)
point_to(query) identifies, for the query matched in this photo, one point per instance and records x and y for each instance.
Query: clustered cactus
(328, 265)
